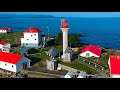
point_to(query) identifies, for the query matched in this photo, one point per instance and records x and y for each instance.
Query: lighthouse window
(5, 64)
(35, 34)
(31, 35)
(26, 44)
(27, 39)
(12, 65)
(35, 39)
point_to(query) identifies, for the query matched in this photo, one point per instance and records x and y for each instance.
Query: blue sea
(104, 32)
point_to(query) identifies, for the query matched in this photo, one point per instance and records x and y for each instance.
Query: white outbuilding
(91, 51)
(13, 62)
(5, 47)
(52, 64)
(5, 30)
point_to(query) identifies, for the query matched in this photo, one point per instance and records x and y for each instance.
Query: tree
(58, 39)
(73, 39)
(16, 39)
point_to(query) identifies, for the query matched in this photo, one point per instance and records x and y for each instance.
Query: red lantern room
(64, 24)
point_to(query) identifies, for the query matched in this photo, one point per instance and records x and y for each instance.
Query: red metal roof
(33, 30)
(92, 48)
(3, 43)
(6, 28)
(64, 24)
(9, 57)
(64, 20)
(115, 64)
(21, 36)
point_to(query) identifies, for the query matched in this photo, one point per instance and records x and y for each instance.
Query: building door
(24, 65)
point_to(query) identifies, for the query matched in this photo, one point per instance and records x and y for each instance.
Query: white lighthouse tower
(66, 51)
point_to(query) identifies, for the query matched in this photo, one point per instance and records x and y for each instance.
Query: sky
(71, 14)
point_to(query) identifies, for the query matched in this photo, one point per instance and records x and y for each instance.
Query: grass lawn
(38, 59)
(32, 51)
(103, 61)
(42, 75)
(60, 47)
(79, 66)
(64, 72)
(43, 57)
(12, 38)
(44, 49)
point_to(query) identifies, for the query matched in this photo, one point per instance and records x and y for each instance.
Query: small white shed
(91, 51)
(52, 64)
(5, 30)
(5, 47)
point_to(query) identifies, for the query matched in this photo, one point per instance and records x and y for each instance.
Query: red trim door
(24, 65)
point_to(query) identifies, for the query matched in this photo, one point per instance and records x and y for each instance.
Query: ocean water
(104, 32)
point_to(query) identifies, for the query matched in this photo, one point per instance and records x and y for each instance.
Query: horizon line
(65, 16)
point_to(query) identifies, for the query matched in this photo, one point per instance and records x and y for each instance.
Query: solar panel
(53, 52)
(23, 50)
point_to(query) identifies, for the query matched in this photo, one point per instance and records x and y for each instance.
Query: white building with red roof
(31, 37)
(5, 47)
(5, 30)
(13, 62)
(91, 51)
(114, 66)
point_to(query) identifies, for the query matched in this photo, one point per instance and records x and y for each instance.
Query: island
(38, 56)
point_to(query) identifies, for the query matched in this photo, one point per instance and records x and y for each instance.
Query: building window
(12, 65)
(5, 64)
(27, 39)
(35, 39)
(26, 44)
(87, 54)
(35, 34)
(31, 35)
(3, 50)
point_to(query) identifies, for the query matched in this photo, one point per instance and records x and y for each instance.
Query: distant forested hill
(24, 16)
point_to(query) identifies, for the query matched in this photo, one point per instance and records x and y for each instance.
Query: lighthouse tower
(65, 28)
